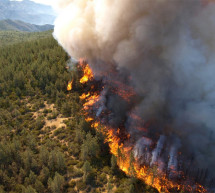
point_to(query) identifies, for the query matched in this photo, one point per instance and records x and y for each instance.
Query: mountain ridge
(17, 25)
(27, 11)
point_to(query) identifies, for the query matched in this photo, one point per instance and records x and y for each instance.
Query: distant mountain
(11, 25)
(27, 11)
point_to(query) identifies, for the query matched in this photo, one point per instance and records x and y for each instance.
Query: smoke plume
(164, 50)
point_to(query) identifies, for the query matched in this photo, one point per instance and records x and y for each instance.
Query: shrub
(103, 178)
(106, 170)
(72, 184)
(81, 185)
(80, 164)
(72, 162)
(77, 173)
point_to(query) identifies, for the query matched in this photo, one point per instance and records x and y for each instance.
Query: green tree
(32, 177)
(109, 187)
(57, 162)
(29, 189)
(57, 184)
(86, 169)
(39, 186)
(131, 168)
(131, 189)
(66, 109)
(44, 175)
(113, 163)
(43, 156)
(90, 147)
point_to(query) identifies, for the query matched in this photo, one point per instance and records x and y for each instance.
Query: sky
(40, 14)
(46, 2)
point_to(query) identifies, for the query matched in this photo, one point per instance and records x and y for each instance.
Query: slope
(27, 11)
(14, 37)
(45, 143)
(15, 25)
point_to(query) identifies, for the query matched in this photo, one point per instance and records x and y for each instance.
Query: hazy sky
(47, 2)
(40, 14)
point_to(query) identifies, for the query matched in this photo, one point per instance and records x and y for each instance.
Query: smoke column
(167, 48)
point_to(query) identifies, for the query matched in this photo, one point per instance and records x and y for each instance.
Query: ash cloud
(167, 47)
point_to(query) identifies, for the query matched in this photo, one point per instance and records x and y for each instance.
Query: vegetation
(14, 37)
(45, 143)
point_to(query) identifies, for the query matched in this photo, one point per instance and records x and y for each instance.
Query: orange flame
(91, 101)
(84, 96)
(88, 74)
(69, 86)
(151, 176)
(89, 119)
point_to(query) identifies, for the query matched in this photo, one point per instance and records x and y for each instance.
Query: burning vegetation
(88, 74)
(149, 84)
(69, 86)
(142, 159)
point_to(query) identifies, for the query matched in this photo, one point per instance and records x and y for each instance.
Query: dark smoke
(164, 50)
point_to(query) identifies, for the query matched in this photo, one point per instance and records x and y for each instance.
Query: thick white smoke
(167, 46)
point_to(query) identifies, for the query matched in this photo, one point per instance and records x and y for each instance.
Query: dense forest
(14, 37)
(45, 143)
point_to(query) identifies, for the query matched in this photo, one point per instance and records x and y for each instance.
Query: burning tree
(149, 84)
(139, 162)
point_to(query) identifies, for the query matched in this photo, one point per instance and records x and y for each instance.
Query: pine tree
(131, 168)
(113, 163)
(57, 184)
(86, 169)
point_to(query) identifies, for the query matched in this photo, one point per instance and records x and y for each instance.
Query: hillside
(14, 37)
(15, 25)
(45, 143)
(26, 11)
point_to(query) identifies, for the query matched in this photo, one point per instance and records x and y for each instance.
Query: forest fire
(91, 101)
(130, 159)
(88, 74)
(149, 84)
(69, 86)
(84, 96)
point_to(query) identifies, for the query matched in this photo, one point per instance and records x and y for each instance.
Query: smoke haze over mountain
(27, 11)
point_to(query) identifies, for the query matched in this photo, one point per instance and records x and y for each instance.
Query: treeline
(29, 68)
(45, 143)
(13, 37)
